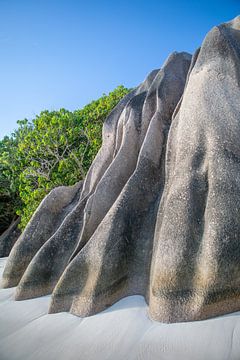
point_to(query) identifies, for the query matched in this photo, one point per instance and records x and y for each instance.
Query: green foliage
(56, 148)
(11, 165)
(7, 187)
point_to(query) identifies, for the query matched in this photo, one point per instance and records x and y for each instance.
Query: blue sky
(57, 53)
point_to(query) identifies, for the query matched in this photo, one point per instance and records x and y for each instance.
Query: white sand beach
(124, 331)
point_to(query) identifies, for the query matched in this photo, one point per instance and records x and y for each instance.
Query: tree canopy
(56, 148)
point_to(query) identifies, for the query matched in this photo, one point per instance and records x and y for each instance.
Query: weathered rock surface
(158, 213)
(9, 237)
(115, 261)
(196, 261)
(52, 211)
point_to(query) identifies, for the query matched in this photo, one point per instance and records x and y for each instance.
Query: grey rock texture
(9, 237)
(158, 213)
(52, 211)
(115, 260)
(195, 270)
(69, 218)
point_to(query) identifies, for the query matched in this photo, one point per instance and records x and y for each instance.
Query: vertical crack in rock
(158, 213)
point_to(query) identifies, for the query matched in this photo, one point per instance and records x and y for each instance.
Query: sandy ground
(124, 331)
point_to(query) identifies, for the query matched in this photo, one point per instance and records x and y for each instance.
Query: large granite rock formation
(158, 213)
(196, 261)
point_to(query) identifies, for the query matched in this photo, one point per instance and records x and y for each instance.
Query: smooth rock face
(115, 261)
(52, 211)
(9, 237)
(158, 213)
(196, 261)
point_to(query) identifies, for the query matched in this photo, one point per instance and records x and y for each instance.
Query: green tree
(56, 148)
(11, 165)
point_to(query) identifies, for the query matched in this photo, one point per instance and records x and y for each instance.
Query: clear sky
(65, 53)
